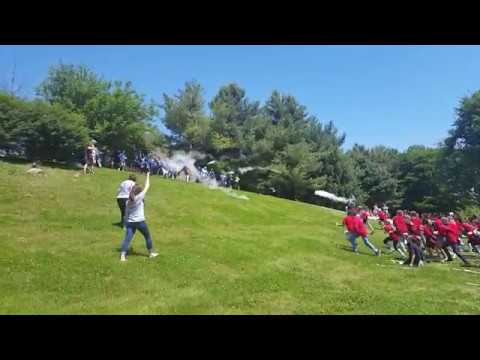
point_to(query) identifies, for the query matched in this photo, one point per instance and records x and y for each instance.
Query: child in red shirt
(473, 236)
(400, 228)
(392, 236)
(452, 235)
(415, 255)
(360, 230)
(348, 223)
(429, 237)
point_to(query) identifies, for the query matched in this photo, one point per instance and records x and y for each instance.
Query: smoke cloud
(180, 160)
(327, 195)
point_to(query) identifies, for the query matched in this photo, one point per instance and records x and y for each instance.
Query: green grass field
(218, 255)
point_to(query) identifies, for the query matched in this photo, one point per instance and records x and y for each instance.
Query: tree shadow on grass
(45, 164)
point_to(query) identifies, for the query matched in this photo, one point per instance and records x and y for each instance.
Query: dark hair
(352, 212)
(132, 177)
(136, 189)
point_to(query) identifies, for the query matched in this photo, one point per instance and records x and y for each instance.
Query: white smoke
(232, 193)
(244, 170)
(331, 196)
(180, 160)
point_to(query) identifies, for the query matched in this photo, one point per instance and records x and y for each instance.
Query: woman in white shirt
(136, 219)
(122, 196)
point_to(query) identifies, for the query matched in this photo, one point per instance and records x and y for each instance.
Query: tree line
(295, 153)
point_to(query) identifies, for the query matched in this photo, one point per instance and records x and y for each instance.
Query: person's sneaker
(378, 252)
(123, 259)
(421, 263)
(153, 255)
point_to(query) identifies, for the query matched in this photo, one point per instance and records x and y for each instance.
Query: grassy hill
(218, 255)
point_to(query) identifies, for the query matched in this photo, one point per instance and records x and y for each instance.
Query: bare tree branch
(10, 84)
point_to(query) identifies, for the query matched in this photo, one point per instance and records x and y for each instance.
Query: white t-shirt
(125, 188)
(135, 209)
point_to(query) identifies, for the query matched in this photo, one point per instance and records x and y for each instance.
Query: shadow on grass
(132, 252)
(349, 249)
(117, 224)
(46, 164)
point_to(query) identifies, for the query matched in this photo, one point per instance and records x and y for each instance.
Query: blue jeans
(132, 227)
(354, 237)
(424, 239)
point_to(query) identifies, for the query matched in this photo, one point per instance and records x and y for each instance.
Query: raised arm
(147, 185)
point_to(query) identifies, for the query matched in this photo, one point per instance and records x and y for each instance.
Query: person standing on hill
(89, 157)
(123, 195)
(136, 219)
(350, 204)
(237, 182)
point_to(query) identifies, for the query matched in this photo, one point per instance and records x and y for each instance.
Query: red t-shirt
(382, 216)
(438, 226)
(459, 225)
(451, 231)
(349, 223)
(474, 239)
(399, 223)
(390, 232)
(427, 231)
(413, 229)
(359, 227)
(364, 215)
(417, 222)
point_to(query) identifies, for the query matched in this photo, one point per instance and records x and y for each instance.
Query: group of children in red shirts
(407, 230)
(433, 232)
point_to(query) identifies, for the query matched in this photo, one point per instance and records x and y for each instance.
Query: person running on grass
(473, 239)
(430, 239)
(401, 229)
(348, 223)
(136, 219)
(122, 197)
(452, 239)
(392, 237)
(414, 239)
(359, 230)
(382, 218)
(364, 216)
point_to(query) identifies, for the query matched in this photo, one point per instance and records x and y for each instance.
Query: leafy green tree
(116, 115)
(376, 171)
(185, 117)
(462, 146)
(45, 131)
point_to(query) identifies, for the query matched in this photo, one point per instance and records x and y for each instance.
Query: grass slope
(218, 255)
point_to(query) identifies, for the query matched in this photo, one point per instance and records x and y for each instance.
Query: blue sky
(391, 95)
